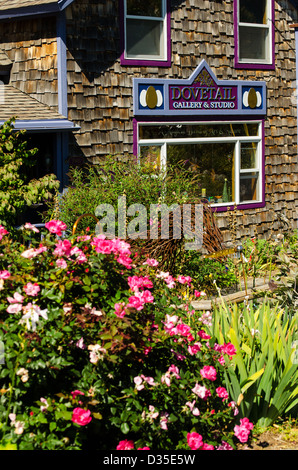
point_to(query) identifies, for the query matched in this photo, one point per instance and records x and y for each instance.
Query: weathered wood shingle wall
(100, 89)
(31, 45)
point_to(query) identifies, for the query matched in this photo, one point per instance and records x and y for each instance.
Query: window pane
(213, 162)
(249, 187)
(144, 8)
(143, 37)
(176, 131)
(253, 43)
(248, 156)
(150, 157)
(253, 11)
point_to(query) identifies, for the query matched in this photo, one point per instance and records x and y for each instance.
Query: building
(209, 81)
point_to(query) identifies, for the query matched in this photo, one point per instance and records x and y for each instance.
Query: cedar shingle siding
(31, 46)
(100, 89)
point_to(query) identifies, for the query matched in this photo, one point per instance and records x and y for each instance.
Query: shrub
(205, 271)
(102, 354)
(16, 192)
(105, 183)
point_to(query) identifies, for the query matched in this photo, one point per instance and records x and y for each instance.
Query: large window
(226, 157)
(145, 31)
(254, 33)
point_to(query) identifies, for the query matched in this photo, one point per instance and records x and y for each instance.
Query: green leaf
(125, 428)
(8, 446)
(251, 380)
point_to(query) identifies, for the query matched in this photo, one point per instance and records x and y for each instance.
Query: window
(145, 32)
(254, 33)
(227, 157)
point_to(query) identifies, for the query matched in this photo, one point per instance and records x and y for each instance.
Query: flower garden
(103, 353)
(102, 349)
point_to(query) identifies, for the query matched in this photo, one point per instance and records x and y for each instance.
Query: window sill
(240, 206)
(254, 66)
(145, 62)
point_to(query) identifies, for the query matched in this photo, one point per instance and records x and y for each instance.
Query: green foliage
(112, 179)
(205, 271)
(16, 192)
(265, 367)
(88, 364)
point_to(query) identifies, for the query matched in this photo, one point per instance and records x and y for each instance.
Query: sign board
(202, 94)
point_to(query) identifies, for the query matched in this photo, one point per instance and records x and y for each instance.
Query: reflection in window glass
(253, 11)
(144, 8)
(143, 38)
(248, 156)
(214, 163)
(150, 157)
(254, 43)
(249, 187)
(176, 131)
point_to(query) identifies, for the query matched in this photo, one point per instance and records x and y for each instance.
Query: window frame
(259, 139)
(268, 64)
(164, 61)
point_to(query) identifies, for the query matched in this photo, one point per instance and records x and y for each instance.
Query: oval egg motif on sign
(151, 97)
(252, 98)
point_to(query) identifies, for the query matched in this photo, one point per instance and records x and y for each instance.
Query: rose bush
(101, 354)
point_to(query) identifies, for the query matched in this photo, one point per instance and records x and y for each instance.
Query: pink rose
(137, 282)
(76, 393)
(81, 416)
(120, 309)
(207, 447)
(170, 282)
(3, 231)
(208, 372)
(61, 263)
(121, 247)
(242, 433)
(224, 446)
(194, 440)
(103, 245)
(4, 274)
(125, 260)
(14, 308)
(147, 297)
(182, 329)
(201, 391)
(229, 349)
(63, 247)
(198, 293)
(17, 298)
(125, 445)
(56, 227)
(151, 262)
(135, 302)
(32, 289)
(184, 279)
(203, 335)
(29, 226)
(222, 393)
(246, 423)
(194, 349)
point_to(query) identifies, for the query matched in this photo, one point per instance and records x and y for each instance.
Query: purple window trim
(230, 207)
(145, 62)
(253, 66)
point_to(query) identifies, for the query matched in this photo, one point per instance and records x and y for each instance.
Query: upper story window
(254, 33)
(145, 32)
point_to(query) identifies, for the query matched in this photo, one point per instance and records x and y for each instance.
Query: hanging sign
(201, 94)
